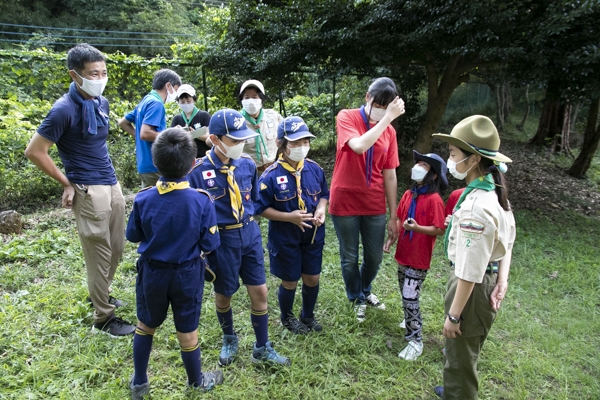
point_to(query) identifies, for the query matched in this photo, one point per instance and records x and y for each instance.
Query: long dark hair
(434, 183)
(487, 166)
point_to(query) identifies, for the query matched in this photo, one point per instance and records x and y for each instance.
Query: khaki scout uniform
(268, 131)
(482, 232)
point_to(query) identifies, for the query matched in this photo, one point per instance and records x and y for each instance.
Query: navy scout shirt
(173, 227)
(205, 175)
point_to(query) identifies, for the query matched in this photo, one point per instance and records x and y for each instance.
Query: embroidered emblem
(210, 182)
(208, 174)
(282, 179)
(238, 122)
(213, 229)
(471, 227)
(283, 186)
(296, 126)
(247, 197)
(263, 186)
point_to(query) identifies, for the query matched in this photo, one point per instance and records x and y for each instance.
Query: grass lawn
(544, 343)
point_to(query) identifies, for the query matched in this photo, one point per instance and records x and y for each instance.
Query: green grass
(544, 343)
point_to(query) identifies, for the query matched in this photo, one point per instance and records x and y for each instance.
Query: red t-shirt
(416, 253)
(452, 200)
(349, 193)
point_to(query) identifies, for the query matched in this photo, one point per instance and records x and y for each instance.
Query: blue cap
(438, 165)
(230, 123)
(292, 129)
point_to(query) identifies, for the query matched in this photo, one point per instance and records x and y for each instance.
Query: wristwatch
(453, 320)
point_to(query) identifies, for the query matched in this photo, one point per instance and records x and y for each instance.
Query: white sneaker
(402, 324)
(373, 301)
(413, 350)
(360, 310)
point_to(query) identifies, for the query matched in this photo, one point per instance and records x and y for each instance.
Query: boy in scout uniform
(174, 225)
(479, 241)
(231, 179)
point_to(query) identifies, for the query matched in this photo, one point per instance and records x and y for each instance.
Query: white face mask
(376, 114)
(170, 96)
(252, 106)
(186, 108)
(93, 87)
(452, 169)
(298, 153)
(233, 152)
(418, 173)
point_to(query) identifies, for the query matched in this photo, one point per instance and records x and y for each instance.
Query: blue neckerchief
(416, 191)
(89, 108)
(369, 159)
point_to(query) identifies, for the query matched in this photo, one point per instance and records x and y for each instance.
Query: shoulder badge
(263, 186)
(213, 229)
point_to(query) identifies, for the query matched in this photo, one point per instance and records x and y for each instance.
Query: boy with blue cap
(293, 196)
(174, 225)
(421, 219)
(231, 179)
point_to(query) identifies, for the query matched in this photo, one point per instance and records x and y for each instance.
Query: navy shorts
(240, 255)
(290, 260)
(159, 284)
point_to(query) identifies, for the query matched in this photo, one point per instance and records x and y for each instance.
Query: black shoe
(114, 327)
(295, 326)
(311, 324)
(439, 390)
(111, 300)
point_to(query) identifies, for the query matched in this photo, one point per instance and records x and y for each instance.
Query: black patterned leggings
(410, 281)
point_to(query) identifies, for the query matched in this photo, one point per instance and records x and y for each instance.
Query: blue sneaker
(268, 355)
(439, 391)
(228, 350)
(209, 381)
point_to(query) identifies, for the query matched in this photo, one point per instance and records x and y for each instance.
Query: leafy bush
(317, 113)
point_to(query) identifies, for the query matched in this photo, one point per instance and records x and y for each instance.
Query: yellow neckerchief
(296, 172)
(166, 187)
(237, 208)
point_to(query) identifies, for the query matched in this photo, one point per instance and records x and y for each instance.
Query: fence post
(204, 89)
(333, 102)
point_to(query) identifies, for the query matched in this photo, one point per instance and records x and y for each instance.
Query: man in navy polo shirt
(150, 118)
(78, 125)
(231, 179)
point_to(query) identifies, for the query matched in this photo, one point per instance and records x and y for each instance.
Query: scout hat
(476, 134)
(230, 123)
(186, 89)
(438, 165)
(292, 129)
(251, 83)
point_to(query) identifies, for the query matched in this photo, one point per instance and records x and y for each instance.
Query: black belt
(164, 265)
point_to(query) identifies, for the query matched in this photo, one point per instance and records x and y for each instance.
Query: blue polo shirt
(173, 227)
(150, 111)
(205, 175)
(86, 160)
(277, 189)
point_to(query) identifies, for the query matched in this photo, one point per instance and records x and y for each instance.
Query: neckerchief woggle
(189, 121)
(93, 117)
(483, 183)
(297, 174)
(369, 158)
(259, 139)
(416, 191)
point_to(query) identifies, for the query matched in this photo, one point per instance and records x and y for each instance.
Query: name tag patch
(471, 229)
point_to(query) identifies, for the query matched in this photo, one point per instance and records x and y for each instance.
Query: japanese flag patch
(210, 174)
(471, 229)
(282, 179)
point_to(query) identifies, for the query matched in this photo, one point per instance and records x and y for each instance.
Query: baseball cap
(437, 163)
(252, 83)
(186, 89)
(292, 129)
(230, 123)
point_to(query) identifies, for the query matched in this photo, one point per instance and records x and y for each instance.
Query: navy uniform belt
(492, 268)
(155, 264)
(237, 226)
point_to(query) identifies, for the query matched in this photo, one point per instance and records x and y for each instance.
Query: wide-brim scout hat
(476, 134)
(292, 129)
(230, 123)
(437, 163)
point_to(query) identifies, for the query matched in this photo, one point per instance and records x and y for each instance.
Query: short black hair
(383, 91)
(81, 54)
(186, 95)
(162, 76)
(240, 95)
(173, 152)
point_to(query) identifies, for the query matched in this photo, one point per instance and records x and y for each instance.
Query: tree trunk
(500, 107)
(508, 102)
(527, 108)
(551, 123)
(565, 135)
(590, 144)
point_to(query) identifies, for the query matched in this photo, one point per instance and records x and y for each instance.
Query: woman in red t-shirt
(364, 177)
(421, 219)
